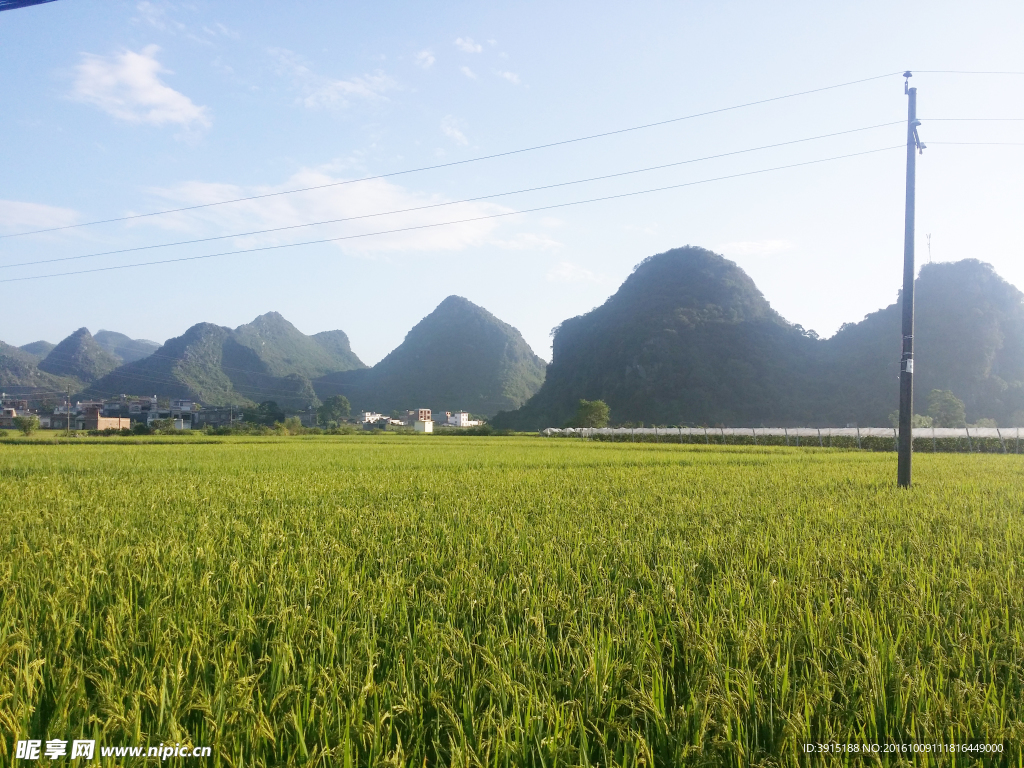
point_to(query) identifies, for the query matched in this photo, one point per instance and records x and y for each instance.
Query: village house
(215, 417)
(418, 414)
(7, 417)
(460, 419)
(420, 420)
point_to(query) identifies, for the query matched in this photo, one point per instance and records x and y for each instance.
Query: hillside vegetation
(38, 349)
(20, 374)
(125, 349)
(77, 361)
(267, 359)
(460, 356)
(689, 339)
(79, 357)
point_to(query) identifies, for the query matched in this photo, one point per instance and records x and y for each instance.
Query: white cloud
(219, 29)
(425, 59)
(512, 77)
(754, 248)
(468, 73)
(567, 272)
(16, 216)
(128, 87)
(450, 128)
(467, 45)
(343, 201)
(156, 16)
(527, 241)
(320, 92)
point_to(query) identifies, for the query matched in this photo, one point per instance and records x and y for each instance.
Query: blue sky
(118, 108)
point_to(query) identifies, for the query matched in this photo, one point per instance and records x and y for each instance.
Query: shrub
(27, 424)
(590, 413)
(292, 426)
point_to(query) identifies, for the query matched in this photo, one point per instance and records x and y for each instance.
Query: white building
(423, 426)
(461, 419)
(369, 417)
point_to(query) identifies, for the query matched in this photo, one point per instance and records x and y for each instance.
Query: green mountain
(336, 343)
(125, 349)
(689, 339)
(460, 356)
(38, 349)
(286, 350)
(20, 375)
(79, 357)
(268, 359)
(969, 339)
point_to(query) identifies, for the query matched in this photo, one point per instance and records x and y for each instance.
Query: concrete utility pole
(906, 442)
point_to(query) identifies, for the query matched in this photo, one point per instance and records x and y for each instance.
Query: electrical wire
(961, 72)
(448, 223)
(451, 202)
(459, 162)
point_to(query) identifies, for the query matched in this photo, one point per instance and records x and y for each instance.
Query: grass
(514, 601)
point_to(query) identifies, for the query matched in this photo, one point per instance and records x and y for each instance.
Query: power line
(963, 72)
(981, 143)
(448, 223)
(459, 162)
(449, 203)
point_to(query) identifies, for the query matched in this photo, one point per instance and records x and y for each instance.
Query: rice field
(409, 601)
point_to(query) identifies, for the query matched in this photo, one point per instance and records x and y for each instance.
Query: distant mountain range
(460, 356)
(126, 350)
(687, 339)
(267, 359)
(79, 359)
(20, 374)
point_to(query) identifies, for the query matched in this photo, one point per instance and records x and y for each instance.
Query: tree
(946, 409)
(293, 425)
(335, 409)
(27, 424)
(917, 422)
(590, 413)
(268, 412)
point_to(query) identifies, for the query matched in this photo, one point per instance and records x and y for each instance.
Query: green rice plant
(393, 600)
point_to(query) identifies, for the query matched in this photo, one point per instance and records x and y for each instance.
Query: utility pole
(906, 442)
(67, 412)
